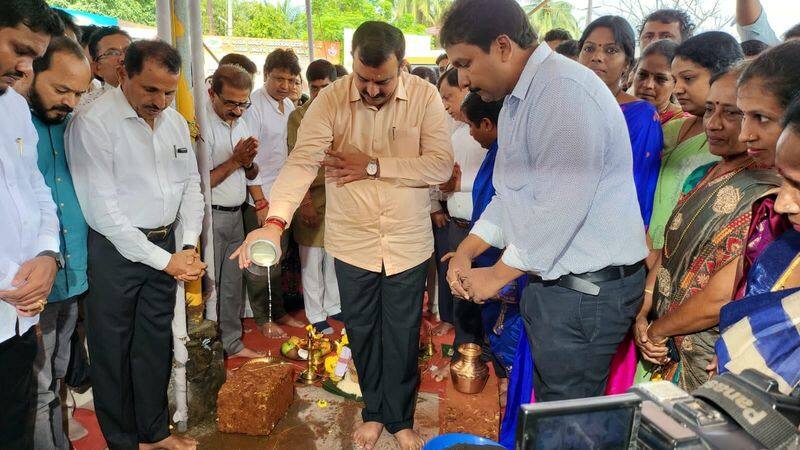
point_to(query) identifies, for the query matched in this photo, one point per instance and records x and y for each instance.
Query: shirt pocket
(178, 166)
(405, 142)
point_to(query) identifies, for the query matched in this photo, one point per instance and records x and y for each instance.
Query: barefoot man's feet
(272, 331)
(409, 439)
(367, 434)
(247, 353)
(173, 442)
(290, 321)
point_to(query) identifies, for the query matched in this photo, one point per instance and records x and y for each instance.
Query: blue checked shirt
(566, 156)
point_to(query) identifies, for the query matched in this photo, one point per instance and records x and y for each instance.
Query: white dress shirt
(28, 222)
(129, 176)
(565, 199)
(221, 138)
(269, 125)
(469, 156)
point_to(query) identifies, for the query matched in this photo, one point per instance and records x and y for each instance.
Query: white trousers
(320, 289)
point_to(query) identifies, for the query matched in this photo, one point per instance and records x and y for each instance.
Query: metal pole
(164, 20)
(229, 25)
(589, 14)
(310, 29)
(200, 95)
(191, 290)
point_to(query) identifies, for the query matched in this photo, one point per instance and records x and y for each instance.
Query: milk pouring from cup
(263, 254)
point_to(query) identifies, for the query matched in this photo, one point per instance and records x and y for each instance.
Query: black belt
(461, 223)
(585, 282)
(157, 234)
(226, 208)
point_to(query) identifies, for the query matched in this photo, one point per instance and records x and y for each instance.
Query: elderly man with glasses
(107, 47)
(232, 150)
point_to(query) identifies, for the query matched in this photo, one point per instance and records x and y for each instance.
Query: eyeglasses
(113, 53)
(233, 105)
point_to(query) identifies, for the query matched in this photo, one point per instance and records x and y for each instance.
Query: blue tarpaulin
(85, 18)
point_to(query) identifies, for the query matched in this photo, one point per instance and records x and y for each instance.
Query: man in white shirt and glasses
(136, 177)
(107, 47)
(29, 242)
(232, 150)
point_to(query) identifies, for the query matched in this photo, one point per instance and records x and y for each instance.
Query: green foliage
(279, 19)
(138, 11)
(553, 14)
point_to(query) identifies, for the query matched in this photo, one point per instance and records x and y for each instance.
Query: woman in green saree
(685, 142)
(695, 273)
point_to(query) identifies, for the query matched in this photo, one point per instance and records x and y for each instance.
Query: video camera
(728, 412)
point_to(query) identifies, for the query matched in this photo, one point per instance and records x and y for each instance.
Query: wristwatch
(372, 168)
(55, 255)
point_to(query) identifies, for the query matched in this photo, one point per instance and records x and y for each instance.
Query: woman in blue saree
(608, 49)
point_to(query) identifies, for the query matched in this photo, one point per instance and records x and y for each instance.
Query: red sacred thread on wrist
(280, 223)
(261, 204)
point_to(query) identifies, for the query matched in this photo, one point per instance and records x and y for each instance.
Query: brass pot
(469, 373)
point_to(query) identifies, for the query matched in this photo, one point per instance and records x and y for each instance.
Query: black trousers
(574, 336)
(129, 312)
(257, 287)
(441, 247)
(17, 391)
(382, 315)
(467, 318)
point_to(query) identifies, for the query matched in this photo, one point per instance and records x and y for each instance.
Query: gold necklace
(682, 204)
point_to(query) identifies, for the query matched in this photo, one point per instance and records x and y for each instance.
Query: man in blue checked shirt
(567, 158)
(61, 76)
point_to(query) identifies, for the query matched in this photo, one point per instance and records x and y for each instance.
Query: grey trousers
(257, 286)
(56, 322)
(228, 236)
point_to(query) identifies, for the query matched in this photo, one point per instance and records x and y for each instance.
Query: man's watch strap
(55, 255)
(189, 247)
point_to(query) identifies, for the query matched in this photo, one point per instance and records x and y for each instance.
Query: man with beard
(383, 136)
(135, 174)
(60, 77)
(232, 150)
(29, 244)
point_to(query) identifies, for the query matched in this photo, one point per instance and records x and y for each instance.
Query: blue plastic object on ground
(446, 441)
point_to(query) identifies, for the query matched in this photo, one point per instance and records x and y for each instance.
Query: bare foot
(290, 321)
(367, 434)
(247, 353)
(173, 442)
(409, 439)
(441, 329)
(272, 331)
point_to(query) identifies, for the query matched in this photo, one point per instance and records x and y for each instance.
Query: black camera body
(728, 412)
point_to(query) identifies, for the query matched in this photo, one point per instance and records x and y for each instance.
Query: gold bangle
(648, 291)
